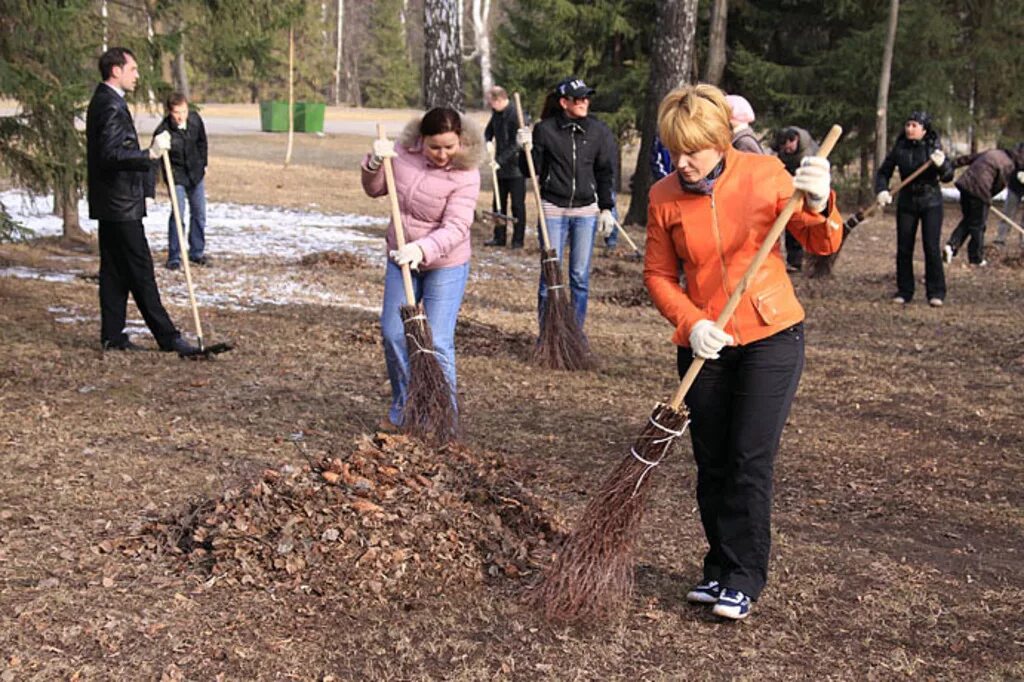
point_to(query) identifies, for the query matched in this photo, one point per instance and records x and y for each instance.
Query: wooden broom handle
(528, 148)
(1009, 221)
(182, 245)
(762, 254)
(900, 185)
(396, 217)
(625, 235)
(494, 176)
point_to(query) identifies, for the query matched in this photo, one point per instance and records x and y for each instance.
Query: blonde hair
(694, 117)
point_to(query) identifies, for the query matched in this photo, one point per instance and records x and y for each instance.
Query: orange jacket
(714, 239)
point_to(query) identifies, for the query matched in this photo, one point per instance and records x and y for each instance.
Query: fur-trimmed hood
(470, 156)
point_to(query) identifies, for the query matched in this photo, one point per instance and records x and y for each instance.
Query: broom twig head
(430, 413)
(592, 577)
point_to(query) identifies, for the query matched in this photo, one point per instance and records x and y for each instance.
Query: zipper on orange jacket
(721, 257)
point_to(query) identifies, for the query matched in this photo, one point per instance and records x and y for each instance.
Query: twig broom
(592, 576)
(429, 412)
(820, 267)
(561, 344)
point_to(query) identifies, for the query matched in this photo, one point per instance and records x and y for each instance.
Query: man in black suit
(118, 170)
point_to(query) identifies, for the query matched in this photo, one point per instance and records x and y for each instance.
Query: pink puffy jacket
(437, 204)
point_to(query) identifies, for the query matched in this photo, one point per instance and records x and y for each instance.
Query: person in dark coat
(572, 153)
(118, 171)
(919, 202)
(1014, 192)
(986, 175)
(189, 156)
(792, 145)
(511, 190)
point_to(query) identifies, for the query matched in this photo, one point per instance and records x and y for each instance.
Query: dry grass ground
(898, 525)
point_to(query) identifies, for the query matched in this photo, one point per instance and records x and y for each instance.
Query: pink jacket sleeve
(373, 181)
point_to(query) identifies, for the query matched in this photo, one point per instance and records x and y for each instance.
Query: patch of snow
(231, 229)
(20, 272)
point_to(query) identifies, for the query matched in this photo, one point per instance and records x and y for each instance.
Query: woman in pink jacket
(437, 181)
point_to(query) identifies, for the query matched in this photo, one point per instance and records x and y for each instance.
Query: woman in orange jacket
(706, 221)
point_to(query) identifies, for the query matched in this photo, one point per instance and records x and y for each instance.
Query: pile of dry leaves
(393, 516)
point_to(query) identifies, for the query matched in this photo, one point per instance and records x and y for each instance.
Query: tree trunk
(67, 195)
(882, 110)
(104, 18)
(338, 52)
(715, 68)
(291, 96)
(671, 67)
(178, 70)
(482, 37)
(442, 55)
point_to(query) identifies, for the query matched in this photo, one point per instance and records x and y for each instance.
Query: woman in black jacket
(919, 202)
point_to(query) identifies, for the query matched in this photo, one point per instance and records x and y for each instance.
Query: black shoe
(494, 242)
(172, 265)
(182, 347)
(792, 268)
(517, 246)
(202, 261)
(124, 345)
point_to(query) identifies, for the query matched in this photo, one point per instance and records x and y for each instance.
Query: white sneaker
(947, 254)
(935, 302)
(899, 300)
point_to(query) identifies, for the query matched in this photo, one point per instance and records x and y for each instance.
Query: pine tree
(50, 77)
(389, 79)
(604, 42)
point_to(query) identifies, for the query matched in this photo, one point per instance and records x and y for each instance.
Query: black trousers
(794, 251)
(911, 211)
(126, 266)
(512, 193)
(972, 225)
(738, 406)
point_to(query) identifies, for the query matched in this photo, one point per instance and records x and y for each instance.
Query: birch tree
(481, 13)
(442, 55)
(671, 67)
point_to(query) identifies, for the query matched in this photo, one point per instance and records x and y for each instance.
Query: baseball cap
(574, 87)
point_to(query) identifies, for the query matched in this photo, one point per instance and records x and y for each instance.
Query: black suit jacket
(118, 168)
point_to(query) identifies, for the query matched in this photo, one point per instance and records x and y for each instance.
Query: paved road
(244, 119)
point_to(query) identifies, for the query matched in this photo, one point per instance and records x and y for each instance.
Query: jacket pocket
(771, 303)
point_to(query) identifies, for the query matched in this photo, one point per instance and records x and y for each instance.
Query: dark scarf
(705, 184)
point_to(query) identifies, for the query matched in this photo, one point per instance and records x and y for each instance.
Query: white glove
(382, 149)
(938, 157)
(706, 340)
(605, 223)
(410, 254)
(1020, 177)
(161, 144)
(883, 198)
(524, 136)
(814, 179)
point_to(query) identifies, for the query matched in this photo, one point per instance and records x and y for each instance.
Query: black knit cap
(922, 117)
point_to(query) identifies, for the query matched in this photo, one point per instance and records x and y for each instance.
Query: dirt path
(898, 502)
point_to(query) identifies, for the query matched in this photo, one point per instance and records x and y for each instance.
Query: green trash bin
(309, 117)
(274, 116)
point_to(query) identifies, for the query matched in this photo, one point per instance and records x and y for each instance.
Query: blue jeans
(579, 233)
(196, 196)
(441, 292)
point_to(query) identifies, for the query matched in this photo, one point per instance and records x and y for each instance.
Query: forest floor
(242, 519)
